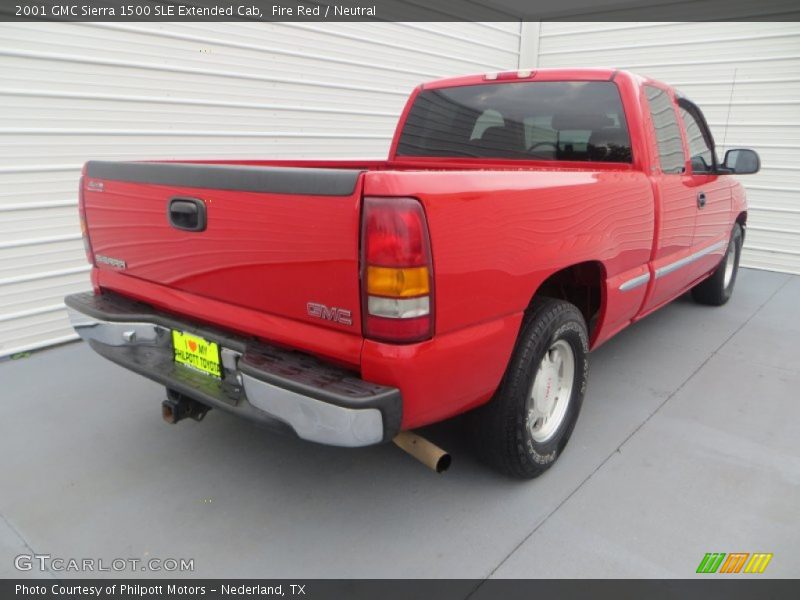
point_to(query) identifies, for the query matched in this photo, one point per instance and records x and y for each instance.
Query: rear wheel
(718, 289)
(525, 427)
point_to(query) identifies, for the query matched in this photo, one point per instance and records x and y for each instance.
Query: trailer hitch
(178, 407)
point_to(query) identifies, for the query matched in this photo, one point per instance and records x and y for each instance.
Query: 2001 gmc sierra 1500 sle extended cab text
(521, 219)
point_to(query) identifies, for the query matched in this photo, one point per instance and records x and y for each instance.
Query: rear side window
(558, 120)
(668, 133)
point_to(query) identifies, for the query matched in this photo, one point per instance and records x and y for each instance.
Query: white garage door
(73, 92)
(745, 77)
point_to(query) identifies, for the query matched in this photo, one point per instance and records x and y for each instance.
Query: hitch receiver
(178, 407)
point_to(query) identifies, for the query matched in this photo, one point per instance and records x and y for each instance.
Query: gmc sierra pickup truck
(522, 219)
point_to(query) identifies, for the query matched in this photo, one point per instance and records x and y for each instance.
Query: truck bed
(279, 234)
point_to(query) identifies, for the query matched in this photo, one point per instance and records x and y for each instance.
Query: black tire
(715, 291)
(501, 427)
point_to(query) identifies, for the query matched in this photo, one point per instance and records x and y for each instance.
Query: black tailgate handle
(187, 214)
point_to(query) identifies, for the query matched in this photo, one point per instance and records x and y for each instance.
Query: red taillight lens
(397, 233)
(87, 245)
(397, 271)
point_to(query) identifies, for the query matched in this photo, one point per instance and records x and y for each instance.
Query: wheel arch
(581, 284)
(741, 219)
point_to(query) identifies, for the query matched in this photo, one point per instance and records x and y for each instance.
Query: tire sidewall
(568, 326)
(736, 240)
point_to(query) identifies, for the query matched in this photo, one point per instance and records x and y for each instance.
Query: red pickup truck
(521, 219)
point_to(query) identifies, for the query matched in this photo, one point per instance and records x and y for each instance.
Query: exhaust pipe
(427, 453)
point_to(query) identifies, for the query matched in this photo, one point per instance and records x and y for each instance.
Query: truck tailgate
(279, 240)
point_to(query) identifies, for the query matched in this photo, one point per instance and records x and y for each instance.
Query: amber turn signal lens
(398, 283)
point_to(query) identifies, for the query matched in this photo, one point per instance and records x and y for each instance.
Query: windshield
(558, 120)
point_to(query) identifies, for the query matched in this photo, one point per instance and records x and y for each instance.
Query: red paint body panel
(510, 230)
(328, 342)
(446, 375)
(498, 229)
(267, 252)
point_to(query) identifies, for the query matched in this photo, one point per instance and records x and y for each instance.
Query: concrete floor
(688, 443)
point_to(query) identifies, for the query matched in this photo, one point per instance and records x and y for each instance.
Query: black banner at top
(399, 10)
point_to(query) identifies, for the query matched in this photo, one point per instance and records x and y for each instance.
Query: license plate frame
(197, 353)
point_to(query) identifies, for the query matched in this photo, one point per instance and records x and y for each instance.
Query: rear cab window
(546, 120)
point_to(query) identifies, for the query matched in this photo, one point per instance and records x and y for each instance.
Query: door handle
(187, 214)
(701, 199)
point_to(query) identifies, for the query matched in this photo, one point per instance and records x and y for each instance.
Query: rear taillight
(397, 271)
(87, 245)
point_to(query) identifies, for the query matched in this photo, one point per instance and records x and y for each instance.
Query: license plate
(196, 352)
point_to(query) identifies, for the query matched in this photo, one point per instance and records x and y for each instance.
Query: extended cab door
(675, 194)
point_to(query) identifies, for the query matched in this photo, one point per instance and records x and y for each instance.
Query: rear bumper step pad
(318, 401)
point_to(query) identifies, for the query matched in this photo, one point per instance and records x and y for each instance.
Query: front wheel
(718, 289)
(525, 427)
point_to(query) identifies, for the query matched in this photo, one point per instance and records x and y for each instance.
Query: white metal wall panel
(745, 77)
(72, 92)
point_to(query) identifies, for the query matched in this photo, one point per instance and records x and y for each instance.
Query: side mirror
(742, 161)
(699, 165)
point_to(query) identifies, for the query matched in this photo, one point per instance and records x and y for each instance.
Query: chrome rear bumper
(319, 402)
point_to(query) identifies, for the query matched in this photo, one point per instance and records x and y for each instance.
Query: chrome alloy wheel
(730, 263)
(551, 391)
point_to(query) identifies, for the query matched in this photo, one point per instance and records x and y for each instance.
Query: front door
(712, 193)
